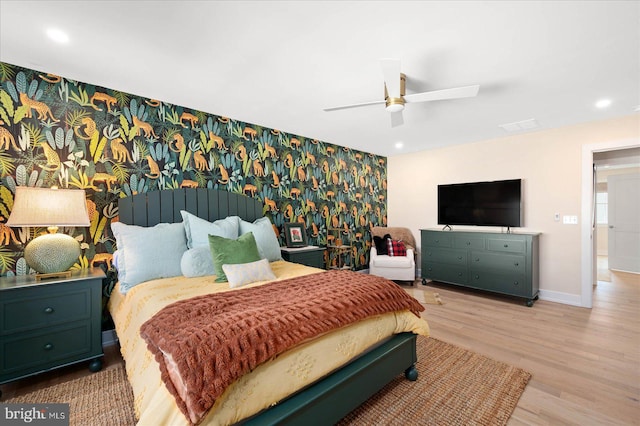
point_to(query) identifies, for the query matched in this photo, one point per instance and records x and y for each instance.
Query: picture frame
(295, 234)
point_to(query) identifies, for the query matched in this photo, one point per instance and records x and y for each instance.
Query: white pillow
(240, 274)
(147, 253)
(266, 239)
(197, 262)
(198, 229)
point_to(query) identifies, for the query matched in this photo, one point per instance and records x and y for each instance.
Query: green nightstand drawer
(310, 256)
(47, 309)
(39, 351)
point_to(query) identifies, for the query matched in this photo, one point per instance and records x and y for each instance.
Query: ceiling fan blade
(396, 119)
(353, 106)
(391, 75)
(436, 95)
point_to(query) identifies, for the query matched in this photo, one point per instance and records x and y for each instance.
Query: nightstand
(49, 324)
(309, 255)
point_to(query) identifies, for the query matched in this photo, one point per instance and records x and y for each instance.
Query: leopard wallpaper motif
(56, 131)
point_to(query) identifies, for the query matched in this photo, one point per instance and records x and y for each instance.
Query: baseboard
(560, 297)
(109, 337)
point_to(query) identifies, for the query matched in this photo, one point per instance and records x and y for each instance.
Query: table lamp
(50, 253)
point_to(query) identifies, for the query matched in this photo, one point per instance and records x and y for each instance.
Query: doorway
(616, 218)
(588, 210)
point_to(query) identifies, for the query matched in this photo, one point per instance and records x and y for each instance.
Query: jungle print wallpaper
(56, 131)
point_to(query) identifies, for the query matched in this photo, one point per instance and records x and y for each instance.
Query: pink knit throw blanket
(205, 343)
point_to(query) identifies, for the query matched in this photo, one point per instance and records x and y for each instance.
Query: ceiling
(279, 63)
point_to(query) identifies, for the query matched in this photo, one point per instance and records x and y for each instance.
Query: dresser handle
(477, 259)
(477, 277)
(459, 257)
(515, 283)
(516, 264)
(506, 245)
(48, 310)
(48, 347)
(468, 243)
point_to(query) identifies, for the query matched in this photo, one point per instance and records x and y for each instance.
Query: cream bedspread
(264, 386)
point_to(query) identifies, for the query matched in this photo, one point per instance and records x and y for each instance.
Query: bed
(302, 384)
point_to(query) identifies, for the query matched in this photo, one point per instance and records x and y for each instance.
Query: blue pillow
(198, 229)
(197, 262)
(265, 236)
(147, 253)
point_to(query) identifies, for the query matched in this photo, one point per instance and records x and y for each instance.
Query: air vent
(520, 125)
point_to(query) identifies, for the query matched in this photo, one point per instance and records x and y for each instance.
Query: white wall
(550, 164)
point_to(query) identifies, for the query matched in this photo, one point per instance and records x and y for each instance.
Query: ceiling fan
(395, 97)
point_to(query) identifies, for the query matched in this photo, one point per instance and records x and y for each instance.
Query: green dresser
(496, 262)
(50, 324)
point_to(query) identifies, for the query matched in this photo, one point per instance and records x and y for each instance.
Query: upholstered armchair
(401, 268)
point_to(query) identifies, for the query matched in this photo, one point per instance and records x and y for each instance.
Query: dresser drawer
(506, 245)
(445, 273)
(505, 263)
(469, 242)
(38, 351)
(514, 285)
(436, 239)
(47, 308)
(450, 256)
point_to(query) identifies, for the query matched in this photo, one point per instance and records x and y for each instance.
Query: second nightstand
(309, 255)
(50, 324)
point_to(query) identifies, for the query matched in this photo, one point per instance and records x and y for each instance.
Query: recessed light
(399, 145)
(57, 35)
(603, 103)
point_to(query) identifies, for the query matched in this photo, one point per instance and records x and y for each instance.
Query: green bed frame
(329, 399)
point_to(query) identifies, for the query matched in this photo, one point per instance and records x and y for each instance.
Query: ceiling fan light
(394, 104)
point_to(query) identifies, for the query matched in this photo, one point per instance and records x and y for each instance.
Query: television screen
(497, 203)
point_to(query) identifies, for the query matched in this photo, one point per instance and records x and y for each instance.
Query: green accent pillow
(226, 251)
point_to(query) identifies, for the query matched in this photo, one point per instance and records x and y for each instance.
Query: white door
(624, 222)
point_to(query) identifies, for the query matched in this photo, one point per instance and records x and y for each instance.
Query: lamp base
(52, 253)
(65, 274)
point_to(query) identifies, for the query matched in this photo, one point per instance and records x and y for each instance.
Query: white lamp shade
(50, 253)
(48, 207)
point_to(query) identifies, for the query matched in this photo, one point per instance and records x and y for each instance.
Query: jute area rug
(454, 387)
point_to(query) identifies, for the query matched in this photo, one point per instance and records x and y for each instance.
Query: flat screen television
(496, 203)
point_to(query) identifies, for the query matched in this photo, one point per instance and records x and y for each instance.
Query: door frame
(587, 206)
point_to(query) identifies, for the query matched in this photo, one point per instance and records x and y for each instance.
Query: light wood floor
(585, 362)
